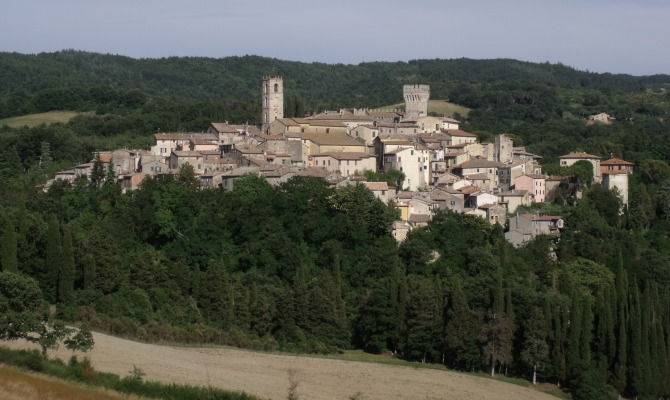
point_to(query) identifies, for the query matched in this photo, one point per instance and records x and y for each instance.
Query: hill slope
(236, 78)
(266, 375)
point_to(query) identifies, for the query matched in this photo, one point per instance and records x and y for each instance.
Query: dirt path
(266, 375)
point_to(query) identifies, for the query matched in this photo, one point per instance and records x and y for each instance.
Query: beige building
(165, 143)
(533, 184)
(180, 158)
(430, 124)
(347, 163)
(326, 143)
(413, 161)
(515, 198)
(525, 227)
(480, 166)
(572, 158)
(458, 136)
(307, 126)
(366, 133)
(617, 180)
(509, 172)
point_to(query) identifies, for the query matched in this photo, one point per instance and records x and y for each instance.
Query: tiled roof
(458, 132)
(333, 139)
(616, 161)
(345, 155)
(376, 186)
(580, 155)
(479, 163)
(477, 177)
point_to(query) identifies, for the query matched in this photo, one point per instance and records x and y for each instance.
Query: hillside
(266, 374)
(19, 385)
(33, 120)
(374, 84)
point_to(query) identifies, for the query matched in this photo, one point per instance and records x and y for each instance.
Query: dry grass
(19, 385)
(440, 107)
(32, 120)
(266, 375)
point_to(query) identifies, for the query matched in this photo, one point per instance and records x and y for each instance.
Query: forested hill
(236, 78)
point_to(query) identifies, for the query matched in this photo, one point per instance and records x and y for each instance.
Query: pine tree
(66, 272)
(53, 260)
(8, 245)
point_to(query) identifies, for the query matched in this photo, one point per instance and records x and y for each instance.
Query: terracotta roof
(333, 139)
(183, 136)
(345, 155)
(180, 153)
(469, 189)
(618, 172)
(477, 177)
(458, 132)
(343, 116)
(616, 161)
(419, 218)
(580, 155)
(479, 163)
(376, 186)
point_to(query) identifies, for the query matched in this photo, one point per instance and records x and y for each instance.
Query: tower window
(276, 87)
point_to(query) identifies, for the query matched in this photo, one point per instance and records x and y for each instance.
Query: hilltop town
(439, 165)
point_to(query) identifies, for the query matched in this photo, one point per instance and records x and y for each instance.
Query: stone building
(416, 101)
(273, 100)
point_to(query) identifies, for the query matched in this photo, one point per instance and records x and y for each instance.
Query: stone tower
(273, 100)
(416, 101)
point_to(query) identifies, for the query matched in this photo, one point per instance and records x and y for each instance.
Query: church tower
(273, 100)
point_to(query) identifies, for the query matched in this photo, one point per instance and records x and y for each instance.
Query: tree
(535, 348)
(81, 341)
(187, 177)
(88, 272)
(8, 245)
(66, 273)
(496, 337)
(461, 333)
(53, 259)
(97, 172)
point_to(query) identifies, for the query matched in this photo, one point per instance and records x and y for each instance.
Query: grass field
(266, 375)
(19, 385)
(440, 107)
(32, 120)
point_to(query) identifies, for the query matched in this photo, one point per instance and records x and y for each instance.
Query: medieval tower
(416, 101)
(273, 100)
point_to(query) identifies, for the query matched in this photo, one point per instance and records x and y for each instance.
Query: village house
(458, 136)
(448, 199)
(515, 198)
(193, 158)
(481, 198)
(165, 143)
(572, 158)
(616, 165)
(413, 161)
(479, 166)
(533, 184)
(429, 124)
(398, 128)
(601, 118)
(366, 133)
(347, 163)
(495, 213)
(525, 227)
(508, 173)
(381, 190)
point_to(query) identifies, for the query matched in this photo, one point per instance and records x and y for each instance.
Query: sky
(597, 35)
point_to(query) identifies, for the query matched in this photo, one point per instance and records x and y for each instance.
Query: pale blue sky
(598, 35)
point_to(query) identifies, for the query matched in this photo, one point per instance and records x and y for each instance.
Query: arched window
(276, 87)
(266, 88)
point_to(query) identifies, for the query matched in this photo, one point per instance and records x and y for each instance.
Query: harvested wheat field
(267, 375)
(19, 385)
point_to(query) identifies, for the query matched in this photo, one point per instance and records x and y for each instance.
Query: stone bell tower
(273, 100)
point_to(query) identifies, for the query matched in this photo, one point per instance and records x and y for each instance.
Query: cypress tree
(66, 272)
(8, 260)
(53, 260)
(575, 332)
(637, 367)
(88, 272)
(620, 372)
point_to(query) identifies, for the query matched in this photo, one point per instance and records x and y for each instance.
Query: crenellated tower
(416, 101)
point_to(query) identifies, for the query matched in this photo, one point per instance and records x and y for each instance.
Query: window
(411, 152)
(452, 202)
(374, 134)
(327, 130)
(276, 88)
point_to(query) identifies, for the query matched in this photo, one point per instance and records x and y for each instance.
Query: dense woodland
(305, 267)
